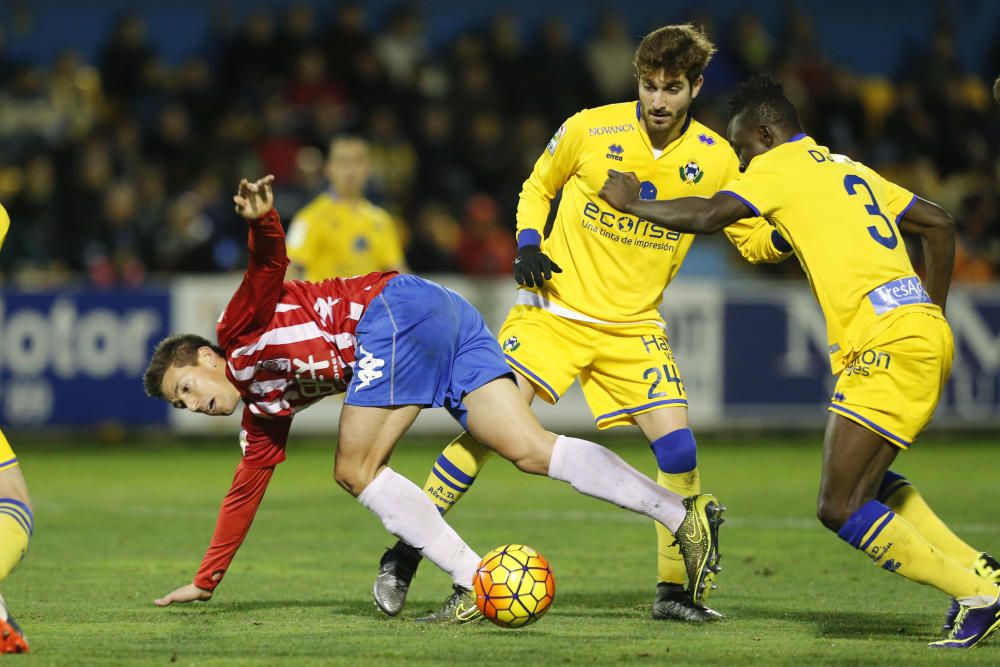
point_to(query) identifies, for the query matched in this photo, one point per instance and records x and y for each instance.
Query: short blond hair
(675, 49)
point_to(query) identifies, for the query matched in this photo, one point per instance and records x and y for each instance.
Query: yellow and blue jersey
(4, 225)
(331, 237)
(842, 219)
(616, 266)
(7, 457)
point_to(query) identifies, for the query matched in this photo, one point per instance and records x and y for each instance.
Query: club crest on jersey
(275, 365)
(556, 138)
(615, 152)
(691, 173)
(511, 344)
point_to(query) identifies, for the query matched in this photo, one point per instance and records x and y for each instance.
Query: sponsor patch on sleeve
(556, 138)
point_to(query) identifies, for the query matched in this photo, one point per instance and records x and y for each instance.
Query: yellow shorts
(7, 457)
(893, 385)
(625, 370)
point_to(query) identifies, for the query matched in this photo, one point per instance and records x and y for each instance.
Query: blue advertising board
(752, 354)
(71, 358)
(775, 361)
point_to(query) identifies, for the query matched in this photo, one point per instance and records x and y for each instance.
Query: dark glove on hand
(532, 267)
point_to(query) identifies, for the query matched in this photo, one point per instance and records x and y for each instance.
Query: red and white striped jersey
(287, 343)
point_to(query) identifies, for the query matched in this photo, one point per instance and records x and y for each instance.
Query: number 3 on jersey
(851, 182)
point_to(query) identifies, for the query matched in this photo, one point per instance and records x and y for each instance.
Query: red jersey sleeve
(235, 516)
(263, 440)
(263, 443)
(252, 306)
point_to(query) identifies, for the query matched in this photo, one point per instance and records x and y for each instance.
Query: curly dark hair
(176, 350)
(763, 98)
(675, 49)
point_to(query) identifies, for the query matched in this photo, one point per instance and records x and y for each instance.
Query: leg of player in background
(16, 526)
(675, 450)
(451, 476)
(855, 461)
(904, 499)
(499, 418)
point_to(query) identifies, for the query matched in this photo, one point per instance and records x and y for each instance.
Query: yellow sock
(455, 470)
(16, 525)
(895, 545)
(670, 563)
(905, 500)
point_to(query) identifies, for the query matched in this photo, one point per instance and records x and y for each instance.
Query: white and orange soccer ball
(514, 586)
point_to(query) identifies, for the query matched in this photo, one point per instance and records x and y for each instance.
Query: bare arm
(937, 231)
(691, 215)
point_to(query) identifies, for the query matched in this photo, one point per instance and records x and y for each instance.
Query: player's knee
(831, 513)
(676, 452)
(535, 456)
(352, 477)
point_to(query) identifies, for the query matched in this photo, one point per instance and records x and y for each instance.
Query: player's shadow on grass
(602, 604)
(347, 607)
(855, 624)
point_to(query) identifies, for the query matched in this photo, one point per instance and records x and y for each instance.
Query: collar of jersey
(798, 137)
(667, 148)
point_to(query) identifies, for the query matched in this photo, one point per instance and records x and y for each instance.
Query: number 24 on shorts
(658, 374)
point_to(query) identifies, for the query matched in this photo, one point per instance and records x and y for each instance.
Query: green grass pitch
(119, 525)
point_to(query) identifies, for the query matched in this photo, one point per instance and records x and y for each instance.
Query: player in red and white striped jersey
(395, 345)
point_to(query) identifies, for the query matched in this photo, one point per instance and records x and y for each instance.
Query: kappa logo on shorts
(369, 366)
(511, 344)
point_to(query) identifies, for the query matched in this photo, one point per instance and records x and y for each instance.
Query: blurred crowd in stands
(122, 169)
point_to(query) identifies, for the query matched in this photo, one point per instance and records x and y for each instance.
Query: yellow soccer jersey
(4, 225)
(330, 237)
(616, 266)
(842, 220)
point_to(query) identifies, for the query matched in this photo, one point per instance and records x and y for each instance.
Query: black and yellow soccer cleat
(395, 572)
(698, 539)
(460, 607)
(672, 603)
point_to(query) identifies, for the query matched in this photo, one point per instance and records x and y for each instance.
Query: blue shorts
(422, 344)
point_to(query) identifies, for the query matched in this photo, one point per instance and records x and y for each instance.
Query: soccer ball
(514, 586)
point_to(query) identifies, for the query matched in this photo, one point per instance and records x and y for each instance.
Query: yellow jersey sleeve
(759, 187)
(555, 166)
(301, 241)
(755, 238)
(896, 199)
(4, 225)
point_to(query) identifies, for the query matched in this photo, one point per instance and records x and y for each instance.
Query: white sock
(407, 513)
(597, 471)
(978, 600)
